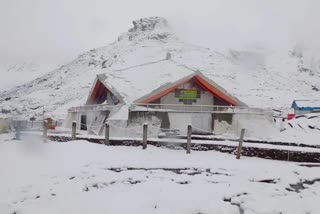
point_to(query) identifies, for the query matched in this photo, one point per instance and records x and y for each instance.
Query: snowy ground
(81, 177)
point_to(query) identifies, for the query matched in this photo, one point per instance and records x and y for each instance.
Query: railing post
(240, 143)
(74, 129)
(45, 130)
(145, 136)
(107, 134)
(189, 133)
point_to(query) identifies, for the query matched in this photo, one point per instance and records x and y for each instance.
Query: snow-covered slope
(17, 73)
(260, 78)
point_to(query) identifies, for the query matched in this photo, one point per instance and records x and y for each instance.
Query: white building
(164, 94)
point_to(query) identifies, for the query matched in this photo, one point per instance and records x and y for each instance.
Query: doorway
(83, 125)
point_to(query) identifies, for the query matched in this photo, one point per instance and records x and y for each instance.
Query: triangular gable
(217, 90)
(97, 85)
(204, 82)
(163, 90)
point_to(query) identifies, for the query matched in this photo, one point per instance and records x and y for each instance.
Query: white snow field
(81, 177)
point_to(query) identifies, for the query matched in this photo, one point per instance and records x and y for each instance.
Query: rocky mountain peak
(149, 24)
(156, 28)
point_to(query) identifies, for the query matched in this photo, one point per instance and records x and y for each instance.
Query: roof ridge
(144, 64)
(184, 65)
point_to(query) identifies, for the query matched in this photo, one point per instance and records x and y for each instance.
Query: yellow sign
(188, 95)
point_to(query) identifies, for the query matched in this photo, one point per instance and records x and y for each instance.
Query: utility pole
(43, 117)
(43, 113)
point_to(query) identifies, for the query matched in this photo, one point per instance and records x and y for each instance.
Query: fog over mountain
(55, 32)
(272, 43)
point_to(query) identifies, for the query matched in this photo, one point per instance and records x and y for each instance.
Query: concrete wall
(173, 120)
(203, 123)
(255, 125)
(72, 116)
(159, 119)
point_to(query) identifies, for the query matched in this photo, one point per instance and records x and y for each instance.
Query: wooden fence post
(189, 133)
(145, 136)
(74, 129)
(45, 130)
(107, 134)
(240, 143)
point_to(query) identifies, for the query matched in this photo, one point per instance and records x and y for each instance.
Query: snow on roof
(135, 82)
(307, 103)
(138, 82)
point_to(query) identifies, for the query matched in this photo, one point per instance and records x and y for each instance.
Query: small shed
(51, 122)
(305, 106)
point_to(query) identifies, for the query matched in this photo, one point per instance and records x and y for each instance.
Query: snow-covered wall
(255, 125)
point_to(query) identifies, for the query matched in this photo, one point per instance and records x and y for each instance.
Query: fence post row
(74, 128)
(240, 143)
(107, 134)
(189, 133)
(145, 136)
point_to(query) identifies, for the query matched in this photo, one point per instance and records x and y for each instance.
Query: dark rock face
(153, 28)
(306, 70)
(5, 111)
(314, 88)
(148, 24)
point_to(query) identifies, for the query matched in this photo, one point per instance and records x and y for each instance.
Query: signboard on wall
(188, 95)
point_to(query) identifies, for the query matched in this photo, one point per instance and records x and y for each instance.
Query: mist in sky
(57, 31)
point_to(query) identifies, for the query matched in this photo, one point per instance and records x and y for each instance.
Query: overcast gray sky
(56, 31)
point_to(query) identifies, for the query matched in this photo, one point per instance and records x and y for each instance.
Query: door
(83, 122)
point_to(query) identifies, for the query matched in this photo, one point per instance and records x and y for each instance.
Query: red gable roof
(203, 83)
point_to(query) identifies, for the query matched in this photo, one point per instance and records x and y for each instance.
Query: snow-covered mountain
(17, 73)
(259, 77)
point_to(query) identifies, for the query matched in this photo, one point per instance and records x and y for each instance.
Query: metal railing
(177, 108)
(198, 108)
(88, 108)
